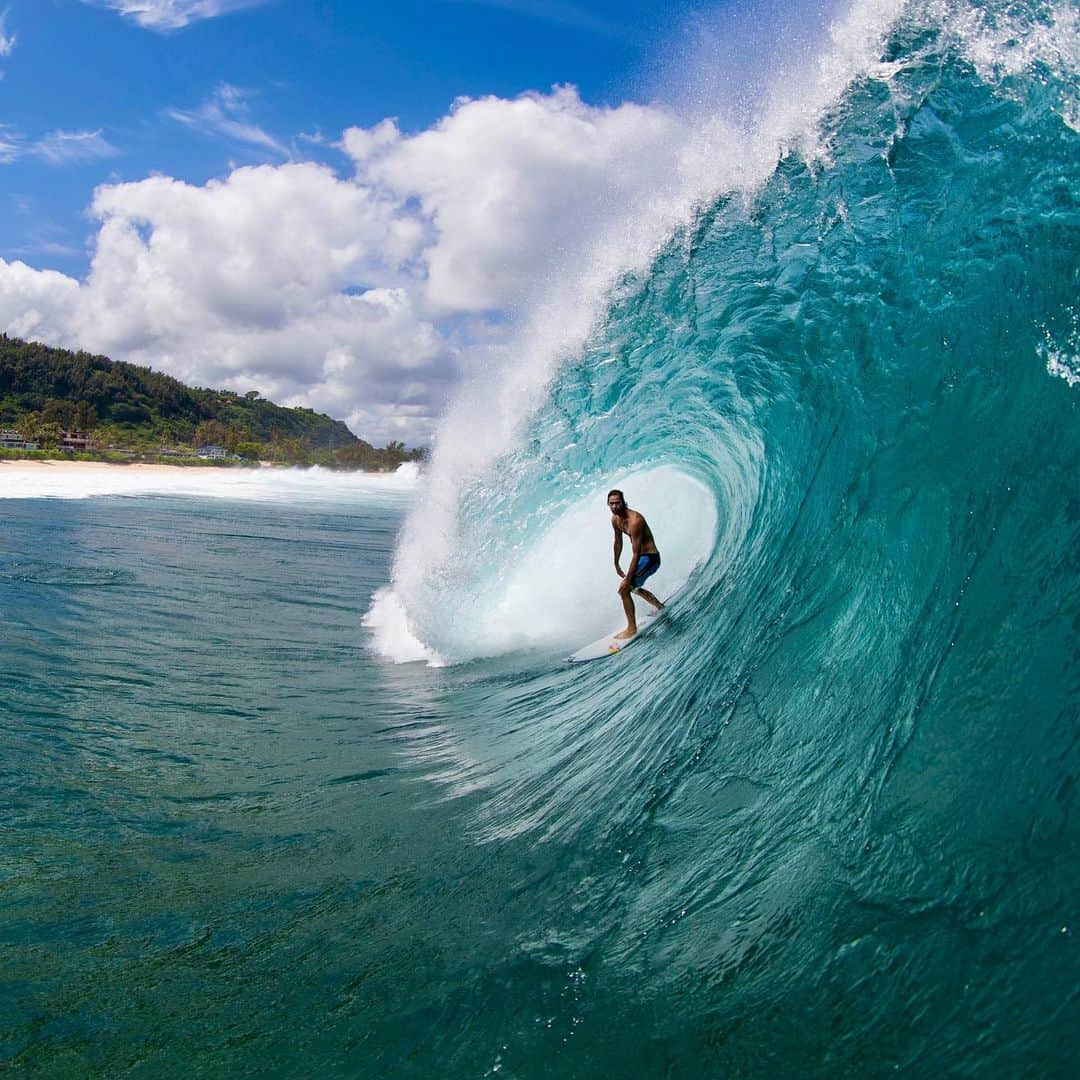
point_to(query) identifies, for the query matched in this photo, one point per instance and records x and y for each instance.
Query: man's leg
(631, 618)
(646, 595)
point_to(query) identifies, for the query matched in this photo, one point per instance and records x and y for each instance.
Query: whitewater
(320, 793)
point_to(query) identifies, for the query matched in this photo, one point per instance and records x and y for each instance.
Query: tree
(50, 435)
(136, 404)
(290, 450)
(58, 412)
(234, 435)
(210, 433)
(29, 426)
(33, 427)
(86, 417)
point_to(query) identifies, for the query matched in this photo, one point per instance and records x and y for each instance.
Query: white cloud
(227, 113)
(361, 144)
(357, 296)
(38, 304)
(7, 41)
(11, 145)
(56, 148)
(172, 14)
(513, 187)
(61, 147)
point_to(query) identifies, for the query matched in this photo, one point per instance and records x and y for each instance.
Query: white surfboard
(609, 644)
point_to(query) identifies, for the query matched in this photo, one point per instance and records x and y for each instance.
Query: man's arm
(618, 547)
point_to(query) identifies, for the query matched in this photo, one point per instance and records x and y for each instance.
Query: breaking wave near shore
(835, 365)
(811, 293)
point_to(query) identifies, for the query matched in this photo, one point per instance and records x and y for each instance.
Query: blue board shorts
(647, 565)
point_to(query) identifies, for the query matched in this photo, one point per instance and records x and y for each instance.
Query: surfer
(644, 558)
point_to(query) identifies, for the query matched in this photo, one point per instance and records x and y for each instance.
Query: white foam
(84, 480)
(1062, 358)
(392, 636)
(1017, 40)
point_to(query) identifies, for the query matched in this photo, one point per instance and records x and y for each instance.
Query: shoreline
(59, 464)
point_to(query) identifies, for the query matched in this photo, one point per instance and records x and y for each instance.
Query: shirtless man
(644, 558)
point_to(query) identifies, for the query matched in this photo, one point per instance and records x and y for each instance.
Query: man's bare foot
(629, 632)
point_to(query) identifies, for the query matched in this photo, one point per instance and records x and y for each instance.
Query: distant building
(74, 441)
(13, 440)
(214, 453)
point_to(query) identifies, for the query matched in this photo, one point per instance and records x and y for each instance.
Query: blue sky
(115, 85)
(353, 207)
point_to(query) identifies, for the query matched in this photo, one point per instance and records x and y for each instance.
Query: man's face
(616, 504)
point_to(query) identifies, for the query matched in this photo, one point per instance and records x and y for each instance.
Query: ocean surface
(295, 781)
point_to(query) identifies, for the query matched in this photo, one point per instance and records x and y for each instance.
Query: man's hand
(625, 586)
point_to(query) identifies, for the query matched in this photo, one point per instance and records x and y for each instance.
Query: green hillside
(44, 390)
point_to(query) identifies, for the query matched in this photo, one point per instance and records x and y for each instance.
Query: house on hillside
(213, 452)
(74, 441)
(13, 440)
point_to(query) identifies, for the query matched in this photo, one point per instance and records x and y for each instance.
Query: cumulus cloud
(37, 304)
(357, 295)
(227, 113)
(172, 14)
(512, 187)
(361, 144)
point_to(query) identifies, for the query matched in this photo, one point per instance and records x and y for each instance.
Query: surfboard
(609, 644)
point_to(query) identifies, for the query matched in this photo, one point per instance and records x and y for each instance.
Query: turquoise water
(824, 823)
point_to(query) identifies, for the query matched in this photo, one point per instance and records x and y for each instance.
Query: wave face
(843, 775)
